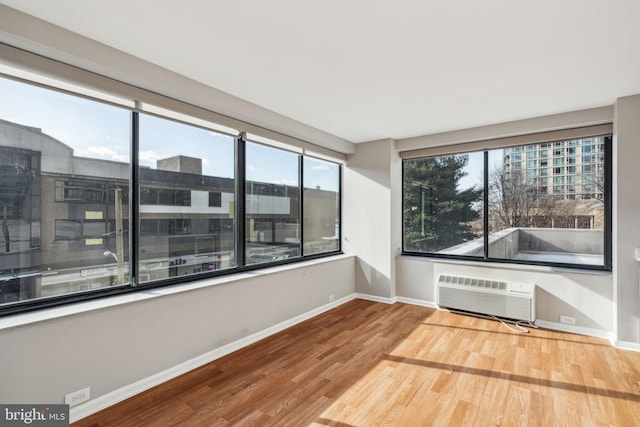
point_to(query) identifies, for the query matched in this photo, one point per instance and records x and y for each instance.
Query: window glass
(64, 191)
(533, 216)
(65, 194)
(187, 180)
(527, 223)
(321, 206)
(272, 207)
(442, 204)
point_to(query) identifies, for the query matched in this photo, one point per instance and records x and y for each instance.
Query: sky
(97, 130)
(475, 168)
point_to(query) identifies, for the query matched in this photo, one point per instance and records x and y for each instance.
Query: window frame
(486, 258)
(134, 202)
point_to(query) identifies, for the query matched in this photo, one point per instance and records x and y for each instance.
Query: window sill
(47, 314)
(508, 266)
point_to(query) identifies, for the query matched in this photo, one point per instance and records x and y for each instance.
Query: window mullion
(134, 201)
(241, 196)
(608, 202)
(485, 208)
(301, 203)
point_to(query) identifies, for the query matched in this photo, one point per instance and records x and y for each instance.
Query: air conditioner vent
(511, 300)
(477, 283)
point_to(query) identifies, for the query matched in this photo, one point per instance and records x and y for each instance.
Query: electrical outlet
(77, 397)
(332, 298)
(568, 320)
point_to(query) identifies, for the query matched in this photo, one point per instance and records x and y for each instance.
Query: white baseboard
(375, 298)
(419, 302)
(627, 345)
(116, 396)
(622, 345)
(580, 330)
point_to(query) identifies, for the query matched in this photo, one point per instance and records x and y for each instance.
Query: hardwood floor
(373, 364)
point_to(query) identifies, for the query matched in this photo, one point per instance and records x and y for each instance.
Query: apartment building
(563, 171)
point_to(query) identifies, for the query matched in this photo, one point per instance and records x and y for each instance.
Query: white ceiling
(372, 69)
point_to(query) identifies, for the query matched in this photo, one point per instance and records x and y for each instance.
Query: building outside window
(76, 221)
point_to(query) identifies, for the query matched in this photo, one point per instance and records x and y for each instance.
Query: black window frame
(485, 258)
(133, 225)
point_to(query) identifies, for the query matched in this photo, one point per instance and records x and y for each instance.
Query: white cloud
(150, 157)
(251, 167)
(321, 167)
(101, 151)
(107, 153)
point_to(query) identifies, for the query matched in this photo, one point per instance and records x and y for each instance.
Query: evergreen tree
(437, 215)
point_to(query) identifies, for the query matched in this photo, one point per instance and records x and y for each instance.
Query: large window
(477, 205)
(98, 198)
(64, 186)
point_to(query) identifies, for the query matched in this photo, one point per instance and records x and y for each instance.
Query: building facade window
(165, 197)
(215, 199)
(98, 199)
(473, 206)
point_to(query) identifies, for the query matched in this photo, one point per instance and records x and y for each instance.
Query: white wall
(110, 348)
(368, 214)
(626, 219)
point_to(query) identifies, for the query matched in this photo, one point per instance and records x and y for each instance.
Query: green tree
(437, 214)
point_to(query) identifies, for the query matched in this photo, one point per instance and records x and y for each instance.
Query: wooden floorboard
(373, 364)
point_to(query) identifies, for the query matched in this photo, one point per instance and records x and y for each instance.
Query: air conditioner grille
(507, 299)
(474, 283)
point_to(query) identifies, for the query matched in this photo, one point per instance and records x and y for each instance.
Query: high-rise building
(564, 169)
(566, 177)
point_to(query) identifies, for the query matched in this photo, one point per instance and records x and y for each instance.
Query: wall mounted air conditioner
(509, 300)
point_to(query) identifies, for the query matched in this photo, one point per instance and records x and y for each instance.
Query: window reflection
(321, 206)
(272, 230)
(64, 186)
(186, 185)
(65, 194)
